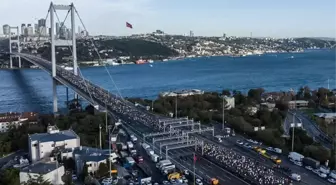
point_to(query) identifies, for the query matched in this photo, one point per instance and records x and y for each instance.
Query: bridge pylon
(56, 41)
(17, 41)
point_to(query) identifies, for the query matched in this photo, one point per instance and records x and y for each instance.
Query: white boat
(150, 61)
(67, 68)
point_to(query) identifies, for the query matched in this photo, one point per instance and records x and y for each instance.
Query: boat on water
(140, 61)
(67, 68)
(150, 61)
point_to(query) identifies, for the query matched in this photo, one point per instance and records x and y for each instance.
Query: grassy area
(309, 111)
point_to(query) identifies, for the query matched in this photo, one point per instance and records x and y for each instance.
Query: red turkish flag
(128, 25)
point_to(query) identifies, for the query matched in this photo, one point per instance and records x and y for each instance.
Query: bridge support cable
(108, 72)
(73, 50)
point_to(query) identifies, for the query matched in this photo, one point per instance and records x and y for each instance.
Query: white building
(51, 172)
(230, 102)
(82, 155)
(41, 145)
(8, 120)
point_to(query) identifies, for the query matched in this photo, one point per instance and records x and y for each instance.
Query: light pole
(223, 121)
(176, 106)
(293, 132)
(109, 138)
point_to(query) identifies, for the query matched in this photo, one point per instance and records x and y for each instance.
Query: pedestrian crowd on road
(245, 167)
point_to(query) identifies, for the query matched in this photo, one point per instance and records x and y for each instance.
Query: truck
(130, 145)
(149, 151)
(168, 169)
(295, 177)
(163, 163)
(307, 161)
(129, 162)
(294, 156)
(174, 175)
(145, 146)
(155, 158)
(213, 181)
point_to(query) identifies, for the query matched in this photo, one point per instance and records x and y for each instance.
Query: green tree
(226, 92)
(319, 153)
(255, 94)
(102, 170)
(39, 180)
(85, 172)
(10, 176)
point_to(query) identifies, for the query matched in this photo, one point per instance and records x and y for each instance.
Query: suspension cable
(115, 85)
(85, 81)
(45, 26)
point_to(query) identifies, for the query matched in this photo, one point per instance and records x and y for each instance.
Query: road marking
(201, 172)
(220, 178)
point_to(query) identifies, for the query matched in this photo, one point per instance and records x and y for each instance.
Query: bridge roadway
(134, 118)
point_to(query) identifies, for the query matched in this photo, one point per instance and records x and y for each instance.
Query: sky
(264, 18)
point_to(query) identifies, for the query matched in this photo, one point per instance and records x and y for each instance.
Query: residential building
(252, 110)
(327, 117)
(50, 171)
(10, 119)
(23, 27)
(6, 29)
(82, 155)
(297, 104)
(230, 102)
(41, 145)
(268, 105)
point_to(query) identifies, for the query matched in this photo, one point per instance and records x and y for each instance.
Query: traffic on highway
(188, 148)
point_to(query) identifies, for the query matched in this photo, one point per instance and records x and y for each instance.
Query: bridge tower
(17, 41)
(56, 41)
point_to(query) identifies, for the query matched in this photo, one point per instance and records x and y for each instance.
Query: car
(323, 175)
(246, 145)
(298, 163)
(240, 142)
(317, 171)
(309, 168)
(270, 149)
(199, 182)
(74, 177)
(165, 182)
(332, 180)
(250, 140)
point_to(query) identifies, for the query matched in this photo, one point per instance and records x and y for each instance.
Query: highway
(308, 177)
(136, 120)
(288, 121)
(313, 130)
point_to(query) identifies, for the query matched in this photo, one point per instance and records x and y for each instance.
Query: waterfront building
(42, 145)
(8, 120)
(230, 102)
(297, 104)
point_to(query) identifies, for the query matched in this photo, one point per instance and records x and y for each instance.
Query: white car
(323, 175)
(199, 182)
(298, 163)
(309, 168)
(246, 145)
(240, 142)
(270, 149)
(332, 180)
(74, 177)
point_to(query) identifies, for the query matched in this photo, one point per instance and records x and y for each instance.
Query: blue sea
(30, 89)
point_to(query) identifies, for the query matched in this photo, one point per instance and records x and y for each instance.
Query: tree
(102, 169)
(39, 180)
(69, 163)
(226, 92)
(85, 172)
(10, 176)
(255, 94)
(319, 153)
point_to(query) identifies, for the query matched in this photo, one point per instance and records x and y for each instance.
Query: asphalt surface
(288, 121)
(308, 177)
(204, 169)
(313, 130)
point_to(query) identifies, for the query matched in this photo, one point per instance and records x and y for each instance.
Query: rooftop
(40, 168)
(59, 136)
(89, 153)
(326, 115)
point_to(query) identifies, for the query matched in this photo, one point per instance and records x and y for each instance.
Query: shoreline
(195, 57)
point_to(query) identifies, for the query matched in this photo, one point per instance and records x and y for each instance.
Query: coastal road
(288, 121)
(313, 130)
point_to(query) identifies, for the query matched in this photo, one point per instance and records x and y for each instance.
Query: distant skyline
(264, 18)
